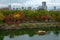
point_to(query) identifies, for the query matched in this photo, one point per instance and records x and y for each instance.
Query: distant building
(9, 7)
(54, 7)
(17, 8)
(40, 8)
(34, 9)
(13, 8)
(29, 8)
(25, 8)
(6, 8)
(22, 8)
(43, 7)
(43, 3)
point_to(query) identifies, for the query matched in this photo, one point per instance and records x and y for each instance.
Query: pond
(30, 34)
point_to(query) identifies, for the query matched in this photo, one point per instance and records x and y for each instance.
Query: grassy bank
(29, 25)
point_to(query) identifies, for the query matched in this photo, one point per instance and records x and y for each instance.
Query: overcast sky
(29, 2)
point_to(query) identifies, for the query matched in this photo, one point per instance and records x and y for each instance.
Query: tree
(1, 17)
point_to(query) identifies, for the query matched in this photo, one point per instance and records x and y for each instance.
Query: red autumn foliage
(44, 17)
(9, 19)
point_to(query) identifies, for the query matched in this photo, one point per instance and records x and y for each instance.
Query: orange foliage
(14, 18)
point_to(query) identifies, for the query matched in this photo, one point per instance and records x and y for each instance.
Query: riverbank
(28, 25)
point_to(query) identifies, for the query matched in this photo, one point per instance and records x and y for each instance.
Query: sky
(26, 3)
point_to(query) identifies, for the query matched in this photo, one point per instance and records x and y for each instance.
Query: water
(30, 34)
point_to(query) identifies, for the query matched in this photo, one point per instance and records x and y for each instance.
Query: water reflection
(30, 34)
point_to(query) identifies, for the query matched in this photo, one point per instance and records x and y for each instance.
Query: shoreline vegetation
(29, 25)
(31, 32)
(18, 19)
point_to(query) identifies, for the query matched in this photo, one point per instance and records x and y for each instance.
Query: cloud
(39, 2)
(17, 4)
(12, 1)
(32, 2)
(27, 3)
(3, 5)
(53, 4)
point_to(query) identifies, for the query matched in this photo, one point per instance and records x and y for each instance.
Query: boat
(41, 32)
